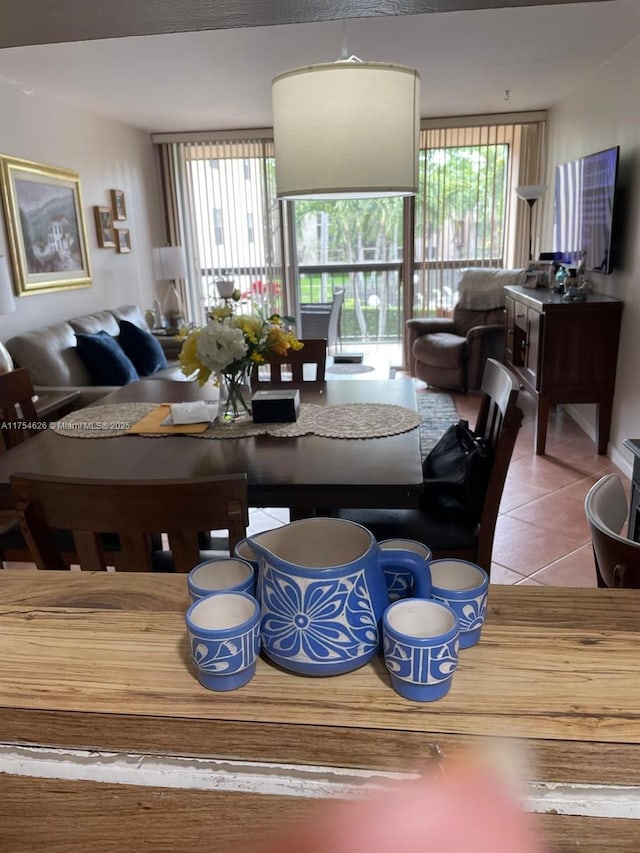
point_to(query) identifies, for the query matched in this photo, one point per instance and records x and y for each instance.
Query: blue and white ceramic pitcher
(323, 592)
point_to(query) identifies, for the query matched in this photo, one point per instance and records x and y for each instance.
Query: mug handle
(410, 562)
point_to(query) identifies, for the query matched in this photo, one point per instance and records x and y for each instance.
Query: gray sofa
(50, 353)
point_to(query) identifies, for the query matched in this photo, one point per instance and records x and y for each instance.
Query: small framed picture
(104, 227)
(530, 279)
(118, 206)
(123, 240)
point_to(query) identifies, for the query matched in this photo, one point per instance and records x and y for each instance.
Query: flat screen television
(583, 210)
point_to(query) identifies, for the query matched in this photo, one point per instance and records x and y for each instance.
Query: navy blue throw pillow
(103, 357)
(142, 348)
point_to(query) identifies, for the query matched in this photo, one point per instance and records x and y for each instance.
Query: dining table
(108, 742)
(302, 472)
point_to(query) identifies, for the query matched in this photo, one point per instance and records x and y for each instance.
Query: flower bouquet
(228, 348)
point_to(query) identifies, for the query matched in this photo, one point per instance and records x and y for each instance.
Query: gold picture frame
(123, 240)
(118, 205)
(45, 227)
(104, 227)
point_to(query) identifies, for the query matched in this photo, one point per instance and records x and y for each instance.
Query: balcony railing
(372, 306)
(372, 310)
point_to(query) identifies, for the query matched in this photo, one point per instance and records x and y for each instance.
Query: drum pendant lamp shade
(346, 129)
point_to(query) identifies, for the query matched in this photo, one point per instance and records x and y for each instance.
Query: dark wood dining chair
(135, 511)
(498, 422)
(290, 370)
(617, 558)
(17, 408)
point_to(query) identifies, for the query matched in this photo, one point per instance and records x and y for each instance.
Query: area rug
(350, 368)
(437, 411)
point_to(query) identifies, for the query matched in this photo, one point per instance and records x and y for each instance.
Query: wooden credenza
(109, 744)
(564, 352)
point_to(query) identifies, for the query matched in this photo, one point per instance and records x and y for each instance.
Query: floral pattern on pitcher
(321, 621)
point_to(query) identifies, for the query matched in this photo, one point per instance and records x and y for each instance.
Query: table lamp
(169, 264)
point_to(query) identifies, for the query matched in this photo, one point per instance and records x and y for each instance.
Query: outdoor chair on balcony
(322, 320)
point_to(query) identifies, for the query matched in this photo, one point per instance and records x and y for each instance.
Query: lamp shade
(169, 263)
(7, 302)
(346, 129)
(531, 192)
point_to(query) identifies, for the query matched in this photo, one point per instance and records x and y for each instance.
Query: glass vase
(234, 401)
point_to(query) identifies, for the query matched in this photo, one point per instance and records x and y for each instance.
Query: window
(229, 220)
(217, 226)
(465, 210)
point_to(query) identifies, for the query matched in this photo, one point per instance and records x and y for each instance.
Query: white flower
(219, 345)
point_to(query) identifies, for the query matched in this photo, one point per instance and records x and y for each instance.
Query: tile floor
(542, 536)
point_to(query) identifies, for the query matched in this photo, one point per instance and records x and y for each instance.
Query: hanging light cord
(344, 56)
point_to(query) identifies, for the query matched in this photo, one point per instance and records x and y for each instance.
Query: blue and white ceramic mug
(464, 587)
(399, 581)
(221, 575)
(224, 639)
(420, 645)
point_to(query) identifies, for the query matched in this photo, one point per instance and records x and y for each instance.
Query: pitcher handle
(410, 562)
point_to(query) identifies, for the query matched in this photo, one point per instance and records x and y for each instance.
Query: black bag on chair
(456, 473)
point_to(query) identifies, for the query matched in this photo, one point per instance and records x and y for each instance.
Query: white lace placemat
(350, 420)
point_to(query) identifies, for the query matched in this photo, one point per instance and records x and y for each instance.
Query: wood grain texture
(73, 817)
(82, 20)
(548, 682)
(339, 746)
(101, 661)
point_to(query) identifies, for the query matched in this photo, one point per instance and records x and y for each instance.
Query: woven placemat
(351, 420)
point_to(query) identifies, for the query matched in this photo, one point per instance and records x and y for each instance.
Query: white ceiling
(221, 79)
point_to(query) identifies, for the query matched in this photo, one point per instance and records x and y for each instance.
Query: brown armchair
(452, 352)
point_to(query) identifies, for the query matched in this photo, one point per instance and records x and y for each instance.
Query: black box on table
(273, 407)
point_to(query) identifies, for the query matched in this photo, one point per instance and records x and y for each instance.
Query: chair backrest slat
(17, 406)
(313, 352)
(134, 510)
(499, 420)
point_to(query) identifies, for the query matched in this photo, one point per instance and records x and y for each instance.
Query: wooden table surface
(101, 661)
(301, 473)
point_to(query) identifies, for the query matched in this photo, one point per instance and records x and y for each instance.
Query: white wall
(107, 155)
(601, 113)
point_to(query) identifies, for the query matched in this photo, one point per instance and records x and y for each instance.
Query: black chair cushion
(437, 534)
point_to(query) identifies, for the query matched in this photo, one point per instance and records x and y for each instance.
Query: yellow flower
(188, 358)
(221, 313)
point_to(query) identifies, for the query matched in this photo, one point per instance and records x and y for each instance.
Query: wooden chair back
(617, 558)
(499, 420)
(17, 409)
(290, 370)
(134, 510)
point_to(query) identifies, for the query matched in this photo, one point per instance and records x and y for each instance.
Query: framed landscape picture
(123, 240)
(104, 227)
(45, 227)
(117, 205)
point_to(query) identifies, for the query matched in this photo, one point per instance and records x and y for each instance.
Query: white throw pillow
(482, 288)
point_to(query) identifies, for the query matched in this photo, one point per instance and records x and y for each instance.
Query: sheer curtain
(222, 207)
(467, 212)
